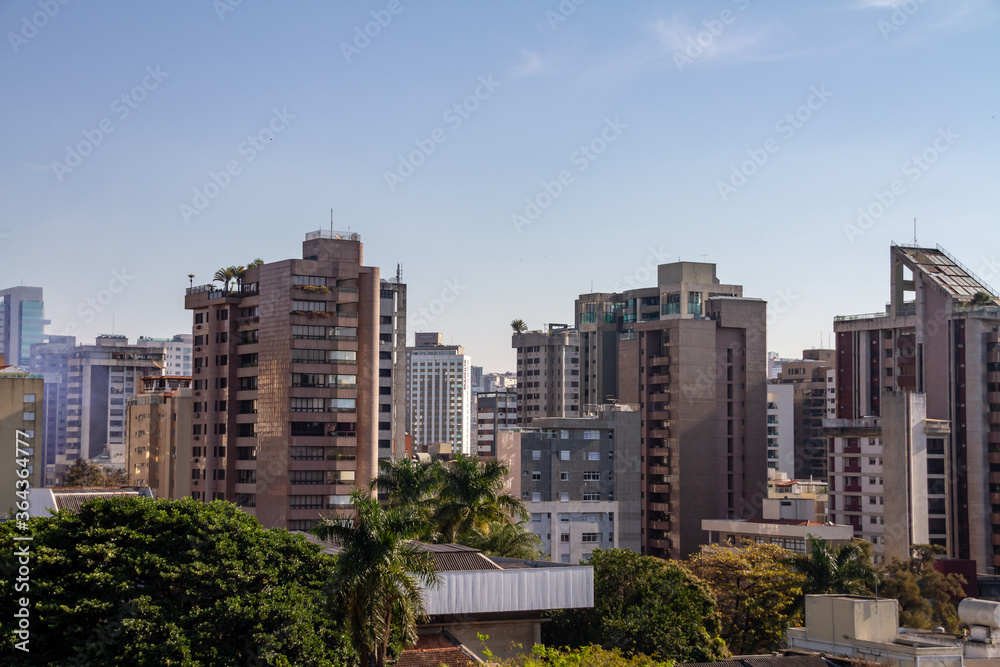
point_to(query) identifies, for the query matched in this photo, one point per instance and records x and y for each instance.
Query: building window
(563, 455)
(564, 538)
(589, 537)
(591, 497)
(564, 496)
(591, 435)
(564, 476)
(694, 303)
(536, 475)
(536, 497)
(591, 476)
(29, 398)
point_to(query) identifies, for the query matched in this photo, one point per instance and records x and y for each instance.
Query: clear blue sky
(675, 95)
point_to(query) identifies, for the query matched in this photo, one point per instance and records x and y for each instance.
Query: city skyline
(563, 148)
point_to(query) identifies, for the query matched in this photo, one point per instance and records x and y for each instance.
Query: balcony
(995, 519)
(995, 499)
(660, 361)
(665, 470)
(665, 545)
(659, 488)
(660, 525)
(995, 478)
(659, 507)
(994, 457)
(665, 432)
(993, 417)
(658, 451)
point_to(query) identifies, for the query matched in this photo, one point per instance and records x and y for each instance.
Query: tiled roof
(434, 651)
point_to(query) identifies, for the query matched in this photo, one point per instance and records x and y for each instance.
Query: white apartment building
(781, 428)
(438, 394)
(176, 352)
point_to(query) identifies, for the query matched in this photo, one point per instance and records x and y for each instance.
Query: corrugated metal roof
(72, 500)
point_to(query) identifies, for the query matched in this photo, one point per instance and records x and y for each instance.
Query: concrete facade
(548, 373)
(495, 411)
(159, 437)
(580, 479)
(22, 403)
(940, 336)
(781, 428)
(808, 378)
(286, 370)
(438, 395)
(392, 368)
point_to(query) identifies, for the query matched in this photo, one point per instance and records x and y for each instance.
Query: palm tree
(407, 483)
(222, 276)
(507, 540)
(378, 576)
(518, 326)
(191, 279)
(846, 570)
(472, 497)
(254, 264)
(237, 273)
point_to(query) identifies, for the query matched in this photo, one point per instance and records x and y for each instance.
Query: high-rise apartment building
(690, 351)
(781, 429)
(392, 368)
(438, 395)
(580, 478)
(808, 377)
(548, 373)
(102, 377)
(939, 336)
(286, 370)
(159, 438)
(50, 359)
(496, 411)
(22, 323)
(21, 433)
(176, 353)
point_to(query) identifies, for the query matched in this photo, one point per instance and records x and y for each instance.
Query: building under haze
(690, 352)
(392, 368)
(496, 411)
(438, 395)
(102, 377)
(808, 378)
(940, 337)
(286, 383)
(22, 323)
(176, 352)
(50, 359)
(159, 436)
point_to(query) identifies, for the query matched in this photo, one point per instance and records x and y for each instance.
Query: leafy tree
(587, 656)
(981, 299)
(85, 473)
(255, 263)
(507, 540)
(845, 570)
(472, 497)
(518, 326)
(378, 575)
(644, 605)
(756, 592)
(925, 595)
(136, 581)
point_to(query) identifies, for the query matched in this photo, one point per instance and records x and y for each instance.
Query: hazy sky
(510, 155)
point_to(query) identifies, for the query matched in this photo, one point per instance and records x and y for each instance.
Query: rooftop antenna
(914, 231)
(331, 223)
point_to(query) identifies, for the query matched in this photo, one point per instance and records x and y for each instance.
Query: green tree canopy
(471, 497)
(756, 592)
(134, 581)
(925, 595)
(642, 605)
(507, 540)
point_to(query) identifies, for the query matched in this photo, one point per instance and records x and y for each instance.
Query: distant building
(499, 381)
(476, 378)
(22, 323)
(176, 352)
(102, 377)
(50, 359)
(808, 377)
(548, 373)
(21, 433)
(495, 411)
(580, 478)
(781, 429)
(159, 439)
(438, 394)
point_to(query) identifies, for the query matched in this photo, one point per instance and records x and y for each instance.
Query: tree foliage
(133, 581)
(378, 577)
(642, 605)
(85, 473)
(586, 656)
(756, 593)
(925, 595)
(844, 570)
(471, 497)
(507, 540)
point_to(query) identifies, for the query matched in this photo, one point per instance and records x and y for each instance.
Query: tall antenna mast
(331, 223)
(914, 231)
